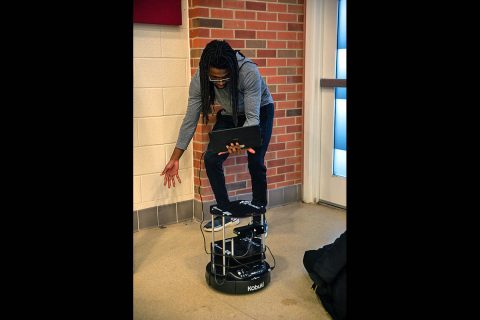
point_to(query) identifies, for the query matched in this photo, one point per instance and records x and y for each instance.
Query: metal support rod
(223, 243)
(212, 250)
(263, 234)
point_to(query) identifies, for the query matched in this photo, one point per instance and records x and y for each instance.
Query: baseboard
(192, 209)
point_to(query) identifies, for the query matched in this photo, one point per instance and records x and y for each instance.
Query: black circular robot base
(237, 264)
(229, 284)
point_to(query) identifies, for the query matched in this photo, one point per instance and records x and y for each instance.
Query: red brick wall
(271, 33)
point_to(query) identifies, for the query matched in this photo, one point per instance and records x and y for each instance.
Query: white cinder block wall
(161, 80)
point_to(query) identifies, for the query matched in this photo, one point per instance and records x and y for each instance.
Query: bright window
(340, 133)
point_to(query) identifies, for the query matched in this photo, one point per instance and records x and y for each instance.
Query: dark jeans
(256, 166)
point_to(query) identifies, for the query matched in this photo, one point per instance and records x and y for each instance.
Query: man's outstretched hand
(236, 149)
(170, 172)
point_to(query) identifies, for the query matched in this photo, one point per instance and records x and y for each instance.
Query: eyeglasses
(218, 80)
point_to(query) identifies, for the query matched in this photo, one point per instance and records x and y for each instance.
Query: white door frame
(320, 61)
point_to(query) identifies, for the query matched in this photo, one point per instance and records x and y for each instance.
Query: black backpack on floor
(327, 267)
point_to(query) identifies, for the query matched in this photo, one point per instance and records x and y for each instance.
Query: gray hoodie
(253, 93)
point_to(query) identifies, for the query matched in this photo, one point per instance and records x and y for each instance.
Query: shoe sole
(228, 224)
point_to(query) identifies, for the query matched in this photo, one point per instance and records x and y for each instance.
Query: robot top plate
(238, 209)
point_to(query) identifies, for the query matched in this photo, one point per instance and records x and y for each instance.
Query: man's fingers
(165, 169)
(178, 178)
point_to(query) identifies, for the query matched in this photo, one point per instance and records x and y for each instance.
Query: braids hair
(218, 54)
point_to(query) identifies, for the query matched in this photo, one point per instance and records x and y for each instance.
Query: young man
(228, 79)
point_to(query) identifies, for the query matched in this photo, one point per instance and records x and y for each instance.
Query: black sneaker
(217, 223)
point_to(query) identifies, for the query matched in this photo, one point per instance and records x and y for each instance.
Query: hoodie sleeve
(252, 96)
(189, 124)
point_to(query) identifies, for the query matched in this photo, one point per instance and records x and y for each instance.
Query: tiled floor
(169, 269)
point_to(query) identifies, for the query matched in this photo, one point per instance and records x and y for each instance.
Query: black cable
(201, 224)
(201, 200)
(274, 263)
